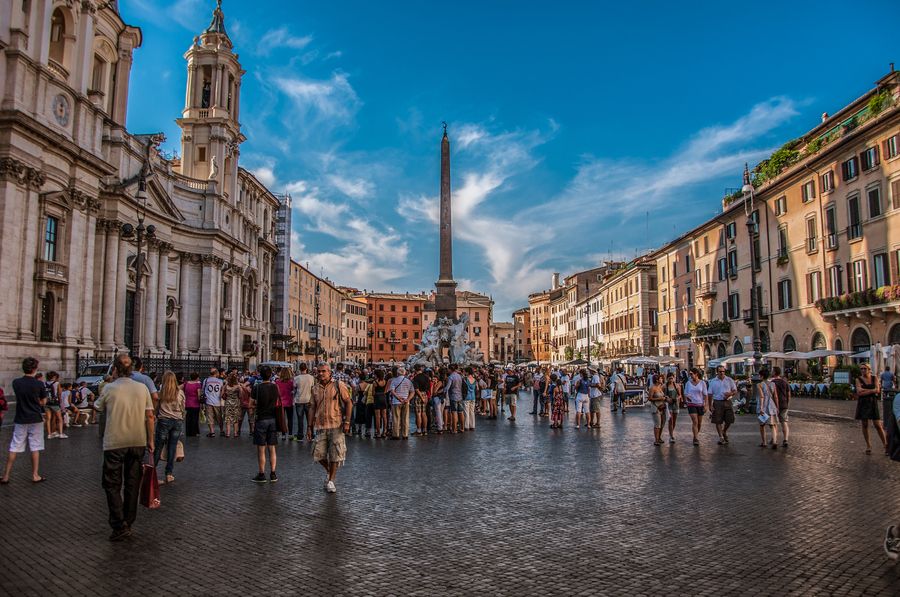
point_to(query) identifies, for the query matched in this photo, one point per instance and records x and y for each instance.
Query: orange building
(395, 325)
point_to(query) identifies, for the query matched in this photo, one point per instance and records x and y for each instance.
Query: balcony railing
(831, 241)
(57, 69)
(706, 290)
(748, 314)
(51, 270)
(812, 245)
(854, 231)
(706, 329)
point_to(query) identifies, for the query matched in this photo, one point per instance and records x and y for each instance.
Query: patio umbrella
(895, 357)
(577, 362)
(877, 359)
(862, 355)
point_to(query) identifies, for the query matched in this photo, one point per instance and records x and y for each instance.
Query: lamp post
(138, 233)
(318, 291)
(753, 233)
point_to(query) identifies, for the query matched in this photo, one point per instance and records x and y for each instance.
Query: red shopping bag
(149, 487)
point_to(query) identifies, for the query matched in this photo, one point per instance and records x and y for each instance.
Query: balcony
(831, 241)
(812, 245)
(707, 290)
(868, 304)
(57, 70)
(763, 316)
(854, 231)
(710, 330)
(51, 271)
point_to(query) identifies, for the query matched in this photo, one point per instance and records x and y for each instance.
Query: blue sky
(579, 130)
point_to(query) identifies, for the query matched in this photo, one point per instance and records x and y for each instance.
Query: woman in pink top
(192, 405)
(285, 386)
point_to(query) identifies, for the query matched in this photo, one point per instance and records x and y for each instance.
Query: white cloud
(322, 103)
(281, 37)
(266, 175)
(354, 188)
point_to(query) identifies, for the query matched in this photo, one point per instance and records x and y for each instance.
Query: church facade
(75, 185)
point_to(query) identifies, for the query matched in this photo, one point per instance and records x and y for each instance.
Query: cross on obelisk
(445, 297)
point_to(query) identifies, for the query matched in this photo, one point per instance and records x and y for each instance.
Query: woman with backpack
(380, 399)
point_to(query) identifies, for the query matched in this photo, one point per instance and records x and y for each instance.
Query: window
(58, 37)
(674, 269)
(835, 283)
(831, 239)
(855, 228)
(858, 276)
(781, 206)
(46, 331)
(403, 321)
(415, 308)
(393, 307)
(813, 287)
(811, 236)
(705, 245)
(828, 182)
(731, 230)
(782, 242)
(404, 348)
(874, 200)
(201, 153)
(732, 264)
(869, 158)
(393, 320)
(404, 308)
(881, 270)
(476, 330)
(50, 233)
(687, 295)
(785, 299)
(416, 335)
(381, 320)
(895, 193)
(477, 316)
(687, 263)
(415, 321)
(381, 307)
(849, 169)
(381, 347)
(734, 305)
(754, 217)
(890, 148)
(809, 191)
(723, 269)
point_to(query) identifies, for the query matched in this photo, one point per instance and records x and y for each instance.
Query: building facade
(503, 344)
(353, 330)
(539, 309)
(825, 238)
(394, 325)
(75, 184)
(522, 335)
(628, 324)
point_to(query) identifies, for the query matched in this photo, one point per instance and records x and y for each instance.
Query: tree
(569, 353)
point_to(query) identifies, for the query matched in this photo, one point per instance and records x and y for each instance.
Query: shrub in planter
(841, 391)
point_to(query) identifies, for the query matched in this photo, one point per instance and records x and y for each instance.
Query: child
(65, 407)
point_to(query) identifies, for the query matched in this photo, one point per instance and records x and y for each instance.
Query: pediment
(159, 202)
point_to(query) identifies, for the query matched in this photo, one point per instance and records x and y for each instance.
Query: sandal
(868, 452)
(41, 480)
(210, 435)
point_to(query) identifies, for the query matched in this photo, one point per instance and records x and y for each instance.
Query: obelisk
(445, 296)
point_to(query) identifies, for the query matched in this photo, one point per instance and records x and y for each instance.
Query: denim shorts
(456, 406)
(265, 433)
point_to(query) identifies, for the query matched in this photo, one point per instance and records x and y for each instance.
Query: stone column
(205, 315)
(162, 297)
(191, 85)
(198, 86)
(215, 312)
(149, 313)
(99, 284)
(31, 248)
(236, 105)
(181, 344)
(121, 286)
(87, 329)
(110, 316)
(75, 243)
(236, 315)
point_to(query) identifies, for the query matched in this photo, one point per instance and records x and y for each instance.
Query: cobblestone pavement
(508, 510)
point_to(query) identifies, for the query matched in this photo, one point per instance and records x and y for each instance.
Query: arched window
(839, 346)
(764, 341)
(860, 340)
(720, 351)
(894, 334)
(738, 347)
(818, 341)
(47, 317)
(789, 343)
(58, 37)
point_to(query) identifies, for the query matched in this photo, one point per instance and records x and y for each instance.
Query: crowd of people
(143, 417)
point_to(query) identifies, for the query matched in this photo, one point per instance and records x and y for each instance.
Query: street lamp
(129, 232)
(318, 291)
(753, 232)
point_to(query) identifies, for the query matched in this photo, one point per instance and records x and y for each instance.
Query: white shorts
(33, 432)
(582, 403)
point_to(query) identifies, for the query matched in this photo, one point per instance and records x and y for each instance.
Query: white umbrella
(862, 355)
(823, 353)
(877, 359)
(640, 361)
(895, 357)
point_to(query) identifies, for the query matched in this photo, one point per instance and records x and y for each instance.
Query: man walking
(783, 392)
(330, 411)
(31, 396)
(129, 432)
(538, 387)
(212, 392)
(617, 384)
(511, 385)
(401, 391)
(422, 384)
(721, 388)
(455, 395)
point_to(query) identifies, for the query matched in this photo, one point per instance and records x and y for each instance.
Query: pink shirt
(191, 392)
(286, 392)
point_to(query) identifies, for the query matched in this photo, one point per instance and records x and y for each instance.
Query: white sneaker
(330, 488)
(53, 435)
(77, 425)
(63, 436)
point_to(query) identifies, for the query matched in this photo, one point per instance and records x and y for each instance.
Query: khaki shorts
(511, 399)
(330, 446)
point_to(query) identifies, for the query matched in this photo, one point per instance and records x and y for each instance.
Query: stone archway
(860, 340)
(894, 334)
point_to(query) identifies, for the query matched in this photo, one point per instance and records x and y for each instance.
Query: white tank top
(695, 395)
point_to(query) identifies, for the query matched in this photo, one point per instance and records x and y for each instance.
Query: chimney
(555, 281)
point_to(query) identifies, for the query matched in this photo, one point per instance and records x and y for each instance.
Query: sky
(580, 131)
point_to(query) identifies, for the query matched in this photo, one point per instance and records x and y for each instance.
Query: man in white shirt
(401, 392)
(617, 386)
(303, 384)
(212, 391)
(596, 390)
(721, 388)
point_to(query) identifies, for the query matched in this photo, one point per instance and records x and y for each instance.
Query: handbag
(149, 485)
(179, 453)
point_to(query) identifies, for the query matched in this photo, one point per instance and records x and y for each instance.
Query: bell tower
(210, 125)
